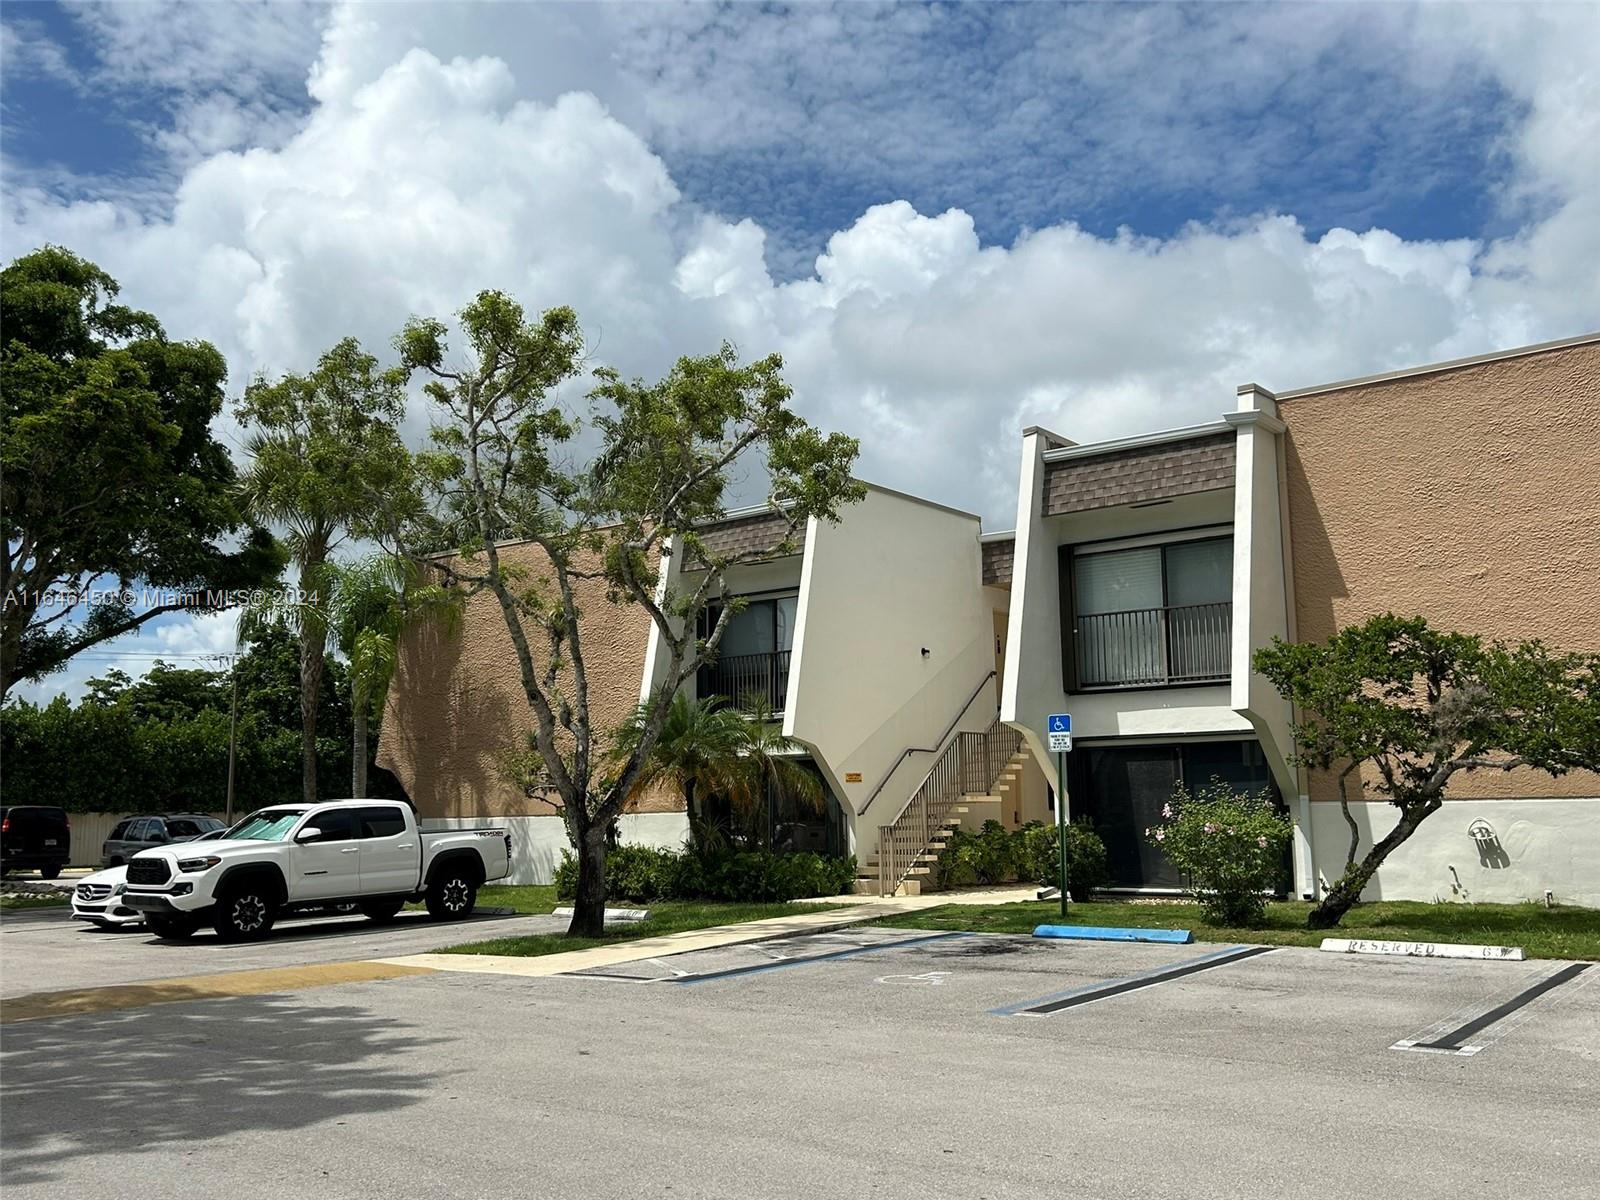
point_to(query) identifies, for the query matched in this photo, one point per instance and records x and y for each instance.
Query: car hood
(111, 876)
(194, 848)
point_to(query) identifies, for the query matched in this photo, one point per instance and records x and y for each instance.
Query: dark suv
(141, 833)
(32, 836)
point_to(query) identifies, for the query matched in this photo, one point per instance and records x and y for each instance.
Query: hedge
(645, 874)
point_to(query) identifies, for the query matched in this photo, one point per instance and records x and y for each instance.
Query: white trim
(1066, 453)
(1206, 533)
(1005, 535)
(1255, 416)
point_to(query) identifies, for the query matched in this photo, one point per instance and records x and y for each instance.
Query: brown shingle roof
(745, 535)
(1200, 464)
(998, 557)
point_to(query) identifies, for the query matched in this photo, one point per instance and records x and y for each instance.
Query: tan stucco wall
(457, 710)
(1468, 496)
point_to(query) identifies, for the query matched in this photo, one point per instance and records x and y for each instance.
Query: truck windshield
(268, 825)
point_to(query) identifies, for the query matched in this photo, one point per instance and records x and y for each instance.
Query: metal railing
(747, 678)
(1191, 643)
(969, 765)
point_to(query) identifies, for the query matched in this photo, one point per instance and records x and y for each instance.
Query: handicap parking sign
(1058, 730)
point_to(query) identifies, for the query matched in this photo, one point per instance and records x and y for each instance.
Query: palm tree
(373, 602)
(697, 754)
(769, 769)
(326, 462)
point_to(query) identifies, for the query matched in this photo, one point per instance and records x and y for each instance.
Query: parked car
(293, 857)
(142, 833)
(34, 837)
(97, 897)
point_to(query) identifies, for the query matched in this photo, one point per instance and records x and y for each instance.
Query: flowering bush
(1231, 846)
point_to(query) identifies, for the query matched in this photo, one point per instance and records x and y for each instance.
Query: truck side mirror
(309, 834)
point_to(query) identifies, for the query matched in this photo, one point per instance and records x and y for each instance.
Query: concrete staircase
(1000, 802)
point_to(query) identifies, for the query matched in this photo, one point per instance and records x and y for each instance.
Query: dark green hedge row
(645, 874)
(1030, 854)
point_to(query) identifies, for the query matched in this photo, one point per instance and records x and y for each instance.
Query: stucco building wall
(457, 712)
(1469, 495)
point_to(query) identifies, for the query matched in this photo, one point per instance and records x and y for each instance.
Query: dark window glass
(335, 825)
(121, 831)
(380, 822)
(182, 828)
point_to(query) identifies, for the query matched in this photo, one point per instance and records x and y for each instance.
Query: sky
(952, 220)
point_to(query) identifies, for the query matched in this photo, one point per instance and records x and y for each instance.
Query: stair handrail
(933, 749)
(950, 778)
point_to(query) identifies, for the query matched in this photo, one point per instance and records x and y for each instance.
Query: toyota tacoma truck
(292, 857)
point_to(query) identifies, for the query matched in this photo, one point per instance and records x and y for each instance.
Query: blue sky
(952, 220)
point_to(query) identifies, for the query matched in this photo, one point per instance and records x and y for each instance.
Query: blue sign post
(1058, 731)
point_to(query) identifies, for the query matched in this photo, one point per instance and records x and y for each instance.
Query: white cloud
(424, 174)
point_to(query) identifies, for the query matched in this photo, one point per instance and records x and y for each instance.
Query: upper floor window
(1151, 615)
(753, 657)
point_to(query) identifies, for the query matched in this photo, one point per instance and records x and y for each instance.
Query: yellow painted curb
(198, 987)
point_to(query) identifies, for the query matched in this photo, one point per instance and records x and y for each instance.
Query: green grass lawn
(669, 916)
(1544, 932)
(36, 901)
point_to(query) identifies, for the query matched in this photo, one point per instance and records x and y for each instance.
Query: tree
(696, 752)
(374, 600)
(326, 462)
(1418, 706)
(661, 470)
(768, 771)
(109, 474)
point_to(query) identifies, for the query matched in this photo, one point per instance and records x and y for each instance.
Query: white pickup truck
(369, 853)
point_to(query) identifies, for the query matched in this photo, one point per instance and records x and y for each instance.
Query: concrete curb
(1423, 949)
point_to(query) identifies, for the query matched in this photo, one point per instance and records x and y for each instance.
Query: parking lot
(45, 950)
(859, 1062)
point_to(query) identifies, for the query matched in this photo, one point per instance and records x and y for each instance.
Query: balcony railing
(1148, 647)
(747, 680)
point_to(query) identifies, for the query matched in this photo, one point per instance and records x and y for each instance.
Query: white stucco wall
(896, 575)
(1546, 844)
(537, 843)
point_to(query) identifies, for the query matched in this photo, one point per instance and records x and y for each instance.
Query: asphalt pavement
(855, 1063)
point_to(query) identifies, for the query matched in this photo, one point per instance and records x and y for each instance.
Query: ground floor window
(1121, 789)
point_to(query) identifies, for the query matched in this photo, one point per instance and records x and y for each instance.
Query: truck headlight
(190, 865)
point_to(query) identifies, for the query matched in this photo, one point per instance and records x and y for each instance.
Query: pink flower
(1161, 835)
(1262, 842)
(1166, 811)
(1210, 828)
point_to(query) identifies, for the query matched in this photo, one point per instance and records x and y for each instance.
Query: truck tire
(451, 894)
(172, 929)
(245, 911)
(381, 912)
(49, 872)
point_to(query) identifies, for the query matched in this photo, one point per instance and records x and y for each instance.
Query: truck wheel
(171, 928)
(49, 872)
(451, 895)
(382, 911)
(245, 912)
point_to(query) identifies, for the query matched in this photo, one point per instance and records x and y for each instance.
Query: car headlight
(118, 889)
(190, 865)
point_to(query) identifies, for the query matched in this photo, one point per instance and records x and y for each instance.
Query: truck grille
(93, 891)
(149, 870)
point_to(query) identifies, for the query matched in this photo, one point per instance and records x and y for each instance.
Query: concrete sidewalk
(862, 909)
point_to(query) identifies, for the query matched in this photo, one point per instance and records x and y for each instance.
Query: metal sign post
(1058, 729)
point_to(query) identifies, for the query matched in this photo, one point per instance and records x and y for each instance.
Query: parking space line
(831, 956)
(1044, 1006)
(1456, 1039)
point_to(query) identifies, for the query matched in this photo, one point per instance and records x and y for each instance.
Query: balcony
(1155, 647)
(749, 681)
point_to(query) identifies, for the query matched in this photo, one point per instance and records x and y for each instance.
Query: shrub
(645, 874)
(1039, 861)
(997, 855)
(1230, 844)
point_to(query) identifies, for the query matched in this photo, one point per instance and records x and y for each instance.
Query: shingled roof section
(745, 535)
(998, 556)
(1139, 474)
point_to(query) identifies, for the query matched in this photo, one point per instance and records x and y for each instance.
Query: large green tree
(110, 479)
(1404, 708)
(326, 463)
(666, 452)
